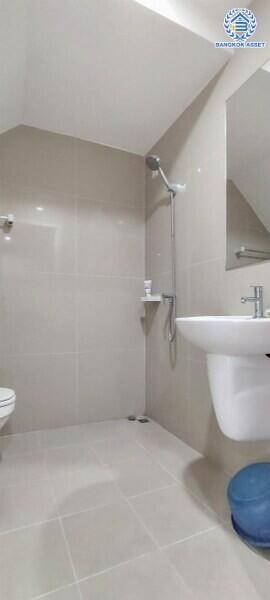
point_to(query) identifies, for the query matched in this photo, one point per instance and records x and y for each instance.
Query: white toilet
(7, 405)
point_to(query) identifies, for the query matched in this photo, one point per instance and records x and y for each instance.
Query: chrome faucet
(257, 299)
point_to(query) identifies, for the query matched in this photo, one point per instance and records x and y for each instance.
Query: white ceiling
(204, 17)
(110, 71)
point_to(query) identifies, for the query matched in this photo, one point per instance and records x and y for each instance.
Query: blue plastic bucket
(249, 499)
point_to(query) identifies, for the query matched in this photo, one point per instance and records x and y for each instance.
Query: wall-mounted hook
(7, 220)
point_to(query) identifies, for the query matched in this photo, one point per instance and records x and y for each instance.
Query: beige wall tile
(110, 239)
(41, 240)
(109, 313)
(109, 175)
(92, 223)
(38, 313)
(33, 157)
(193, 150)
(110, 384)
(45, 386)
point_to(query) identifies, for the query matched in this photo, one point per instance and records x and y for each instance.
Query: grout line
(148, 492)
(140, 520)
(189, 489)
(29, 525)
(189, 537)
(83, 274)
(92, 350)
(54, 591)
(70, 556)
(121, 564)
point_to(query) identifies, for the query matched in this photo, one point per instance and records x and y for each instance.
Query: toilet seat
(7, 396)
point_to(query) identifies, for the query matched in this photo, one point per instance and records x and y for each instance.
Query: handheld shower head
(153, 162)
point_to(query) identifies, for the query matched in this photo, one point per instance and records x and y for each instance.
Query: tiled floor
(118, 511)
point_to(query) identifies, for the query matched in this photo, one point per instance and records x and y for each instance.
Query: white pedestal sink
(238, 370)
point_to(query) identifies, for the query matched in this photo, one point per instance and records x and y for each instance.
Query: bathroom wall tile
(207, 215)
(97, 551)
(158, 237)
(147, 578)
(38, 313)
(52, 570)
(92, 224)
(41, 240)
(172, 514)
(206, 118)
(112, 233)
(110, 384)
(109, 313)
(109, 174)
(195, 147)
(200, 408)
(33, 157)
(206, 295)
(45, 386)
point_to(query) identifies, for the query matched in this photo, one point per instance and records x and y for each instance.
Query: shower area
(72, 269)
(153, 163)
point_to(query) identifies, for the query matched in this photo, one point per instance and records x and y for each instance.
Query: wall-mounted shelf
(152, 298)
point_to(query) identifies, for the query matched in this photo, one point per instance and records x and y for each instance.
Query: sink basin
(238, 371)
(232, 336)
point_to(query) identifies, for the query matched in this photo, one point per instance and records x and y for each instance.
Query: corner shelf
(152, 298)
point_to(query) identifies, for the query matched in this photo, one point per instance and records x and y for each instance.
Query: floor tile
(20, 443)
(59, 461)
(209, 483)
(216, 565)
(107, 429)
(63, 436)
(82, 490)
(140, 475)
(68, 593)
(34, 561)
(26, 504)
(113, 451)
(101, 538)
(148, 578)
(16, 469)
(172, 514)
(198, 473)
(171, 452)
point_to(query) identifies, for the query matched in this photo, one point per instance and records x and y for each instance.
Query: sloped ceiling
(204, 17)
(110, 71)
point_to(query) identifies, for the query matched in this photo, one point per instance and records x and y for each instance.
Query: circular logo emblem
(240, 24)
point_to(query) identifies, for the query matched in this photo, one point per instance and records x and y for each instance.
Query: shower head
(153, 162)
